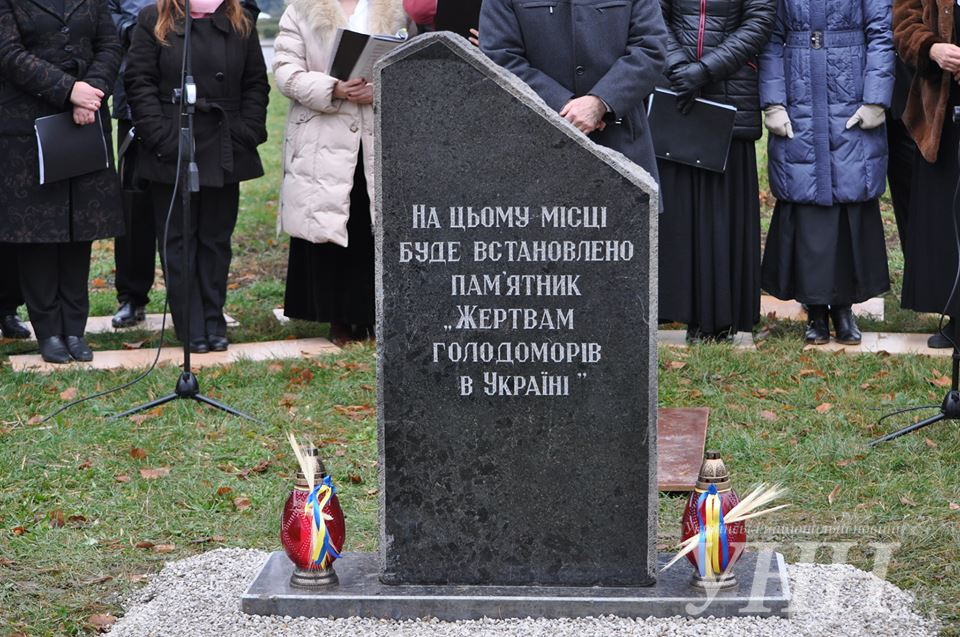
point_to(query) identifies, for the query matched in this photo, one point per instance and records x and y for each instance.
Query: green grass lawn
(80, 525)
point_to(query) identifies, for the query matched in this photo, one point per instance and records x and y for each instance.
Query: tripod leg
(144, 407)
(902, 432)
(222, 407)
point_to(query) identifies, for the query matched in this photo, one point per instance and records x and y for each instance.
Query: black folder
(354, 53)
(701, 138)
(68, 150)
(458, 16)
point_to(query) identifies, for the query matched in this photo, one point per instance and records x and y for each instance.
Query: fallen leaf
(258, 468)
(101, 622)
(86, 464)
(340, 452)
(98, 282)
(954, 506)
(5, 562)
(930, 443)
(77, 519)
(122, 478)
(134, 345)
(355, 478)
(366, 387)
(242, 503)
(96, 580)
(56, 518)
(355, 412)
(137, 453)
(823, 408)
(207, 540)
(865, 385)
(759, 393)
(273, 368)
(35, 420)
(153, 474)
(69, 393)
(287, 400)
(833, 494)
(941, 381)
(907, 501)
(849, 461)
(136, 578)
(769, 415)
(164, 548)
(676, 365)
(145, 544)
(810, 372)
(372, 492)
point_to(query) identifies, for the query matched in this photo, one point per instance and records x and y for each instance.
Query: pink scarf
(201, 8)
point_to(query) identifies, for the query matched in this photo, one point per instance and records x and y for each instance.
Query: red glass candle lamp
(312, 529)
(719, 542)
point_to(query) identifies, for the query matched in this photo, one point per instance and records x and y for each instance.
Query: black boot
(79, 349)
(818, 331)
(941, 338)
(54, 350)
(129, 314)
(12, 327)
(845, 327)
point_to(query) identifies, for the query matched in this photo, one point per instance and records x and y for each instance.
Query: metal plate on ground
(681, 436)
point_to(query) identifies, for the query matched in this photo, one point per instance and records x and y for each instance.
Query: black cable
(163, 265)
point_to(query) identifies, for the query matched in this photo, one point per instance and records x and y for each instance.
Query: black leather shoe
(199, 346)
(845, 327)
(53, 350)
(12, 327)
(694, 335)
(128, 314)
(939, 338)
(818, 330)
(218, 343)
(79, 349)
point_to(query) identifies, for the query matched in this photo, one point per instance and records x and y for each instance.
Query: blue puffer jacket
(825, 59)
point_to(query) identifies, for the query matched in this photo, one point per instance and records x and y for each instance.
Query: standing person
(134, 253)
(327, 190)
(229, 124)
(595, 63)
(927, 39)
(10, 296)
(903, 150)
(709, 233)
(826, 78)
(55, 56)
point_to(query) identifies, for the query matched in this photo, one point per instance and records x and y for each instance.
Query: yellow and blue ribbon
(713, 549)
(323, 553)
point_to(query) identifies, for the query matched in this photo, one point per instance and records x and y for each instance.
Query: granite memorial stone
(517, 326)
(516, 353)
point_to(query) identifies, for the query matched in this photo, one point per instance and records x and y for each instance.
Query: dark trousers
(53, 277)
(134, 253)
(899, 173)
(10, 296)
(213, 215)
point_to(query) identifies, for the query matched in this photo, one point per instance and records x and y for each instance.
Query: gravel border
(200, 597)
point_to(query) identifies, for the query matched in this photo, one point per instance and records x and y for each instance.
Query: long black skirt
(930, 252)
(710, 243)
(826, 255)
(329, 283)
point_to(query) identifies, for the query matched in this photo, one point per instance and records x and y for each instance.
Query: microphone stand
(189, 179)
(950, 407)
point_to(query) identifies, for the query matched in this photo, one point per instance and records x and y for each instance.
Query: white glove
(868, 116)
(777, 121)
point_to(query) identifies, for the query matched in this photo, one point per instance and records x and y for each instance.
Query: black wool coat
(613, 49)
(232, 93)
(727, 36)
(43, 52)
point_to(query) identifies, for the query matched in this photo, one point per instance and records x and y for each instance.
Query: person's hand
(86, 96)
(777, 121)
(689, 78)
(342, 89)
(474, 37)
(83, 116)
(361, 95)
(947, 56)
(868, 116)
(586, 113)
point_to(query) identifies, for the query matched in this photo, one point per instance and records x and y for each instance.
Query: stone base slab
(763, 590)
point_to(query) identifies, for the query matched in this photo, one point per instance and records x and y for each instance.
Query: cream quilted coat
(323, 134)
